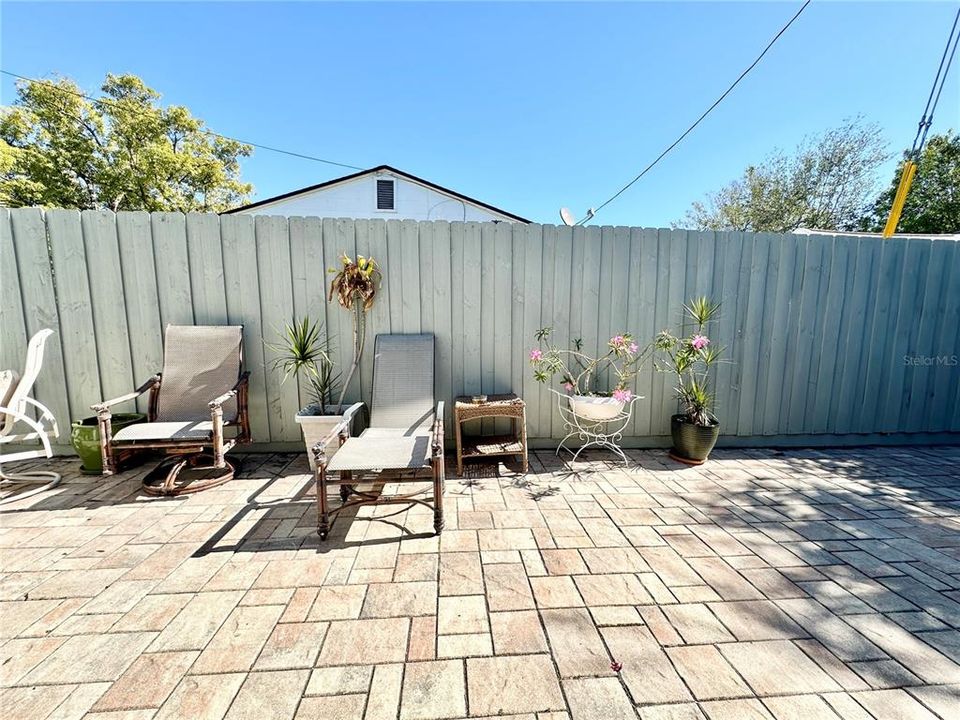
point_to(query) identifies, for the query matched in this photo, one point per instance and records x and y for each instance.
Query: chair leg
(437, 495)
(323, 517)
(345, 487)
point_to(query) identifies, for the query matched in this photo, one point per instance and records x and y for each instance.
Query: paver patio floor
(765, 584)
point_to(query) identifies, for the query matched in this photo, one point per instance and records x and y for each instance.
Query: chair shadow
(257, 537)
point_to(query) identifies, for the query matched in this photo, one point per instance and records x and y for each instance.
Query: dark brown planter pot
(692, 443)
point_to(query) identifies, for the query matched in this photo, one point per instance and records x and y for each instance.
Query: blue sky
(526, 106)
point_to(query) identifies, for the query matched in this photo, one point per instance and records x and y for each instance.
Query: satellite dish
(567, 217)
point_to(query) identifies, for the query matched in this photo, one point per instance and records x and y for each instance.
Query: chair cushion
(383, 453)
(187, 430)
(200, 363)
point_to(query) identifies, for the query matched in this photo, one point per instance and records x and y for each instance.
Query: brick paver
(764, 584)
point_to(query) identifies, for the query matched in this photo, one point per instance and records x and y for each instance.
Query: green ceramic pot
(692, 443)
(85, 437)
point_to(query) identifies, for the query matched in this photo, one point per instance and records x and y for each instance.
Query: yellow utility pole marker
(909, 170)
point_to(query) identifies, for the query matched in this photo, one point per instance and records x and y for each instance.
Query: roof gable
(372, 171)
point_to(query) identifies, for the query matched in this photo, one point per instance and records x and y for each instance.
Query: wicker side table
(506, 406)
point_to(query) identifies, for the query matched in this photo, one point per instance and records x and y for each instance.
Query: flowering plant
(690, 358)
(580, 373)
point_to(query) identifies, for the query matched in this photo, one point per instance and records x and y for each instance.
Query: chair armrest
(438, 431)
(218, 401)
(105, 406)
(341, 427)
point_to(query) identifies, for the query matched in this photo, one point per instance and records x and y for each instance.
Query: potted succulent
(690, 358)
(303, 352)
(581, 375)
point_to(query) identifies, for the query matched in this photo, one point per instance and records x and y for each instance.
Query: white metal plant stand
(593, 433)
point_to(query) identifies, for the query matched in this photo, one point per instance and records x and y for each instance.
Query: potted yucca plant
(304, 352)
(690, 358)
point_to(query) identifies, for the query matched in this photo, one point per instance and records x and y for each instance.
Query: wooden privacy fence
(827, 336)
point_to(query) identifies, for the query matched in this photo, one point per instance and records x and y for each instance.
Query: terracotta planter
(594, 408)
(692, 443)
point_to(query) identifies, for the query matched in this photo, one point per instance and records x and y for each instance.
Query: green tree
(933, 203)
(826, 183)
(121, 151)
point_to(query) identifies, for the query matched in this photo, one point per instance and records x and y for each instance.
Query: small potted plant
(355, 286)
(303, 352)
(581, 375)
(690, 358)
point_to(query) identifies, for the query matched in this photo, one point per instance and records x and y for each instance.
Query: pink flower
(633, 348)
(700, 341)
(536, 355)
(622, 395)
(617, 340)
(568, 386)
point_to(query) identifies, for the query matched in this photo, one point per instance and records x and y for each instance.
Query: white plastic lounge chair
(405, 433)
(14, 401)
(198, 399)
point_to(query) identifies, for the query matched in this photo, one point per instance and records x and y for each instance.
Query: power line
(206, 132)
(706, 112)
(926, 120)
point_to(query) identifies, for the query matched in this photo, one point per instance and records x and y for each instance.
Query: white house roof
(371, 171)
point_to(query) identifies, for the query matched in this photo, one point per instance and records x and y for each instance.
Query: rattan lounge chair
(405, 436)
(15, 403)
(197, 411)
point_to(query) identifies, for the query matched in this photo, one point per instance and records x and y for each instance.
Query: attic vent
(385, 194)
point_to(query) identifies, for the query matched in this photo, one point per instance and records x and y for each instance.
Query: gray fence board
(106, 295)
(40, 311)
(242, 285)
(173, 268)
(11, 304)
(79, 343)
(816, 326)
(276, 306)
(141, 297)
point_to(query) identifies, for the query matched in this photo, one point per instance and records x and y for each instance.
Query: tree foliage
(933, 203)
(121, 151)
(826, 183)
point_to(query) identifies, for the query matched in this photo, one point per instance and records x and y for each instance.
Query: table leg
(456, 422)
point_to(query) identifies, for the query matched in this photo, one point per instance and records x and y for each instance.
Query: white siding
(357, 199)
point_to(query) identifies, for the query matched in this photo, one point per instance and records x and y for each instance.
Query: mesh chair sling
(198, 399)
(405, 433)
(15, 402)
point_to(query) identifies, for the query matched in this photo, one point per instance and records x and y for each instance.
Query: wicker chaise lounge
(197, 409)
(405, 434)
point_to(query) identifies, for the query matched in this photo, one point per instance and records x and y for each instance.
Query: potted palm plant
(304, 352)
(690, 359)
(582, 375)
(355, 284)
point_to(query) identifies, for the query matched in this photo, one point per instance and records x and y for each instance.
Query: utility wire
(699, 119)
(926, 120)
(206, 132)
